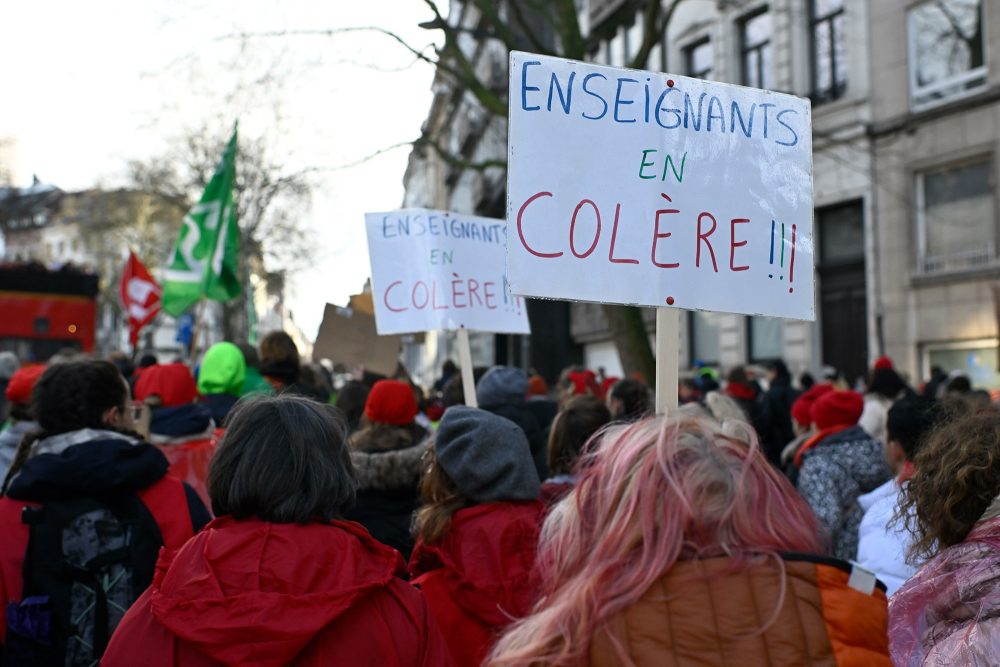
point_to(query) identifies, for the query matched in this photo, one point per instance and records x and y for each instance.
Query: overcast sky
(89, 86)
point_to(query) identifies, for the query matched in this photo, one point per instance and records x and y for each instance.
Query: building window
(634, 37)
(829, 58)
(947, 50)
(617, 49)
(698, 59)
(705, 331)
(765, 338)
(755, 49)
(976, 359)
(956, 218)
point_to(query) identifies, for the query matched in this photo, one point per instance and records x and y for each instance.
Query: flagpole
(196, 330)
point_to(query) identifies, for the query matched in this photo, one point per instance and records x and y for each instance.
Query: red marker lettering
(385, 298)
(572, 230)
(614, 236)
(704, 237)
(734, 244)
(520, 228)
(657, 235)
(490, 296)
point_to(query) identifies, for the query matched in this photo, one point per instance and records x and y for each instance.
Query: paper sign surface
(642, 188)
(435, 270)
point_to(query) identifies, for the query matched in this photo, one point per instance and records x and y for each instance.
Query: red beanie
(837, 408)
(173, 383)
(537, 386)
(802, 407)
(883, 362)
(391, 402)
(584, 382)
(22, 383)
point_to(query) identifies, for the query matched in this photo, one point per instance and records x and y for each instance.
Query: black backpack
(87, 561)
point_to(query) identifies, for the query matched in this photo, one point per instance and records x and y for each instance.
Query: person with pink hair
(682, 545)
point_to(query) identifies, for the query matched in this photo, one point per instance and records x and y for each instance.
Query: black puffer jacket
(775, 418)
(388, 461)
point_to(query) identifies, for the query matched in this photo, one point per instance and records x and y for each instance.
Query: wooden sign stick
(465, 360)
(668, 332)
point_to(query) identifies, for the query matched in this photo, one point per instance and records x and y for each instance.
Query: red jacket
(481, 575)
(257, 593)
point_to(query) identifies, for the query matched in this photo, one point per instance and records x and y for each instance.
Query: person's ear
(897, 457)
(112, 417)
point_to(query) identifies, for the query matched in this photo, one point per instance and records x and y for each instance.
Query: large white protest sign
(635, 187)
(435, 270)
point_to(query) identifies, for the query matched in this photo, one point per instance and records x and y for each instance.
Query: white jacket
(882, 548)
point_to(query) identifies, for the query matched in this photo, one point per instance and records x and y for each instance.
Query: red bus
(44, 311)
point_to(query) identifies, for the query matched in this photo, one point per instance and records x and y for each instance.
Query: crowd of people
(255, 510)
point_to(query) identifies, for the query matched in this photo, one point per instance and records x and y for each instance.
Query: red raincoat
(481, 575)
(257, 593)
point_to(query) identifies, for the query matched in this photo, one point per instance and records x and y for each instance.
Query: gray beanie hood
(502, 385)
(486, 456)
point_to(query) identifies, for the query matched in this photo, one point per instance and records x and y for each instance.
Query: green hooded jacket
(255, 383)
(223, 371)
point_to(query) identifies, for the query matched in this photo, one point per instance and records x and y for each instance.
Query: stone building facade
(906, 119)
(935, 131)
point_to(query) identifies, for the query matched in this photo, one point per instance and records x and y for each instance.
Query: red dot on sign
(790, 290)
(670, 83)
(670, 300)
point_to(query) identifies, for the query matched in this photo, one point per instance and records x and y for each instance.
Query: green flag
(204, 261)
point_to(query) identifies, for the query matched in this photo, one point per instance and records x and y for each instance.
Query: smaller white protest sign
(435, 270)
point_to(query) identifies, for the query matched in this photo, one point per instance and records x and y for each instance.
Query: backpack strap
(167, 502)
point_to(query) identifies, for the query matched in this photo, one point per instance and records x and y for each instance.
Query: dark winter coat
(481, 575)
(266, 594)
(834, 472)
(219, 406)
(182, 421)
(774, 423)
(91, 463)
(388, 461)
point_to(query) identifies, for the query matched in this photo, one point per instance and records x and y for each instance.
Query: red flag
(140, 296)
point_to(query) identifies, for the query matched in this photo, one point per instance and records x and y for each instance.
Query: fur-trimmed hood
(390, 470)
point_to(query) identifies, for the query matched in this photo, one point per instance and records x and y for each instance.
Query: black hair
(250, 355)
(283, 459)
(76, 394)
(70, 396)
(959, 384)
(579, 419)
(778, 367)
(886, 382)
(147, 360)
(351, 401)
(910, 420)
(635, 399)
(806, 380)
(449, 367)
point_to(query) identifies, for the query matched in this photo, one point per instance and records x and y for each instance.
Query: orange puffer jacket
(703, 613)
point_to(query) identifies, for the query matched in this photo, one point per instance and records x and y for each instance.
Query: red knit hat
(391, 402)
(173, 383)
(22, 383)
(537, 386)
(837, 408)
(883, 362)
(802, 407)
